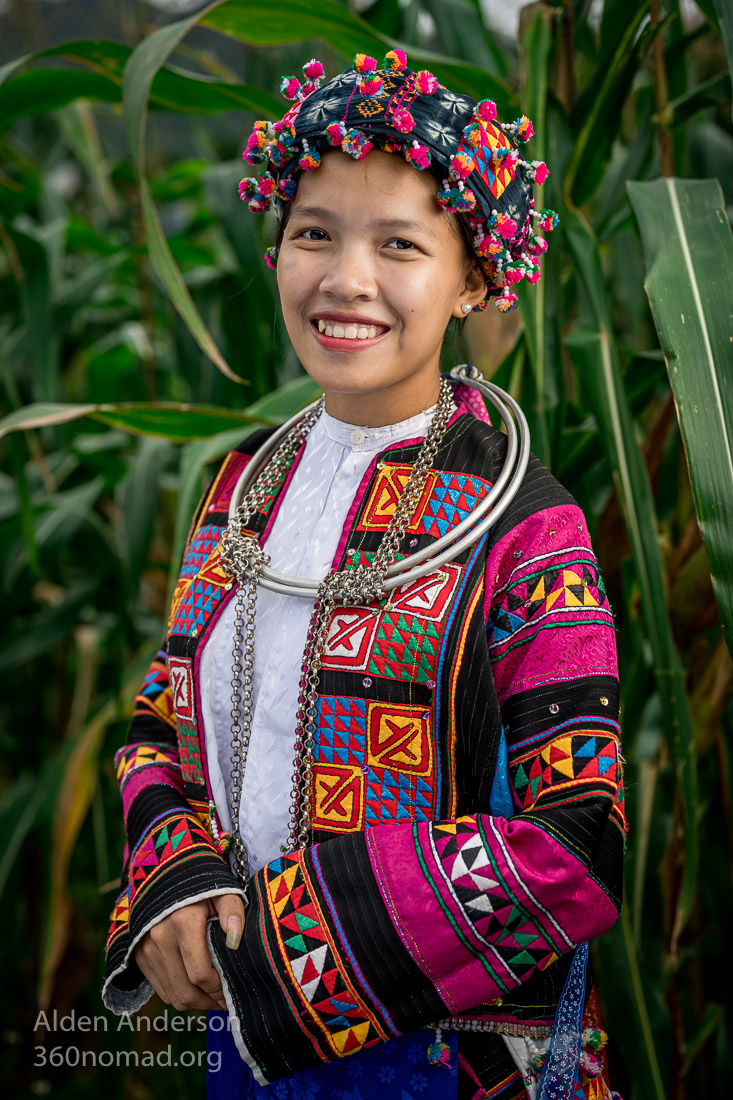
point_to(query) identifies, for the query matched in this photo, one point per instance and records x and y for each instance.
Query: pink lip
(341, 343)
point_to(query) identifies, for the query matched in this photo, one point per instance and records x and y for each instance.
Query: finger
(230, 909)
(184, 993)
(150, 961)
(196, 960)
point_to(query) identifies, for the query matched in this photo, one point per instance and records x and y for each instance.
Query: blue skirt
(396, 1070)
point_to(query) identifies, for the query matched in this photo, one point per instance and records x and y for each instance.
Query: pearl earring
(466, 307)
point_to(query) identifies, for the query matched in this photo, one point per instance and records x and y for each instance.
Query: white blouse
(302, 542)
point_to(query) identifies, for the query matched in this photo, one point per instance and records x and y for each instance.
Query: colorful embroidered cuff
(173, 864)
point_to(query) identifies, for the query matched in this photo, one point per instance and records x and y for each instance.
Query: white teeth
(348, 332)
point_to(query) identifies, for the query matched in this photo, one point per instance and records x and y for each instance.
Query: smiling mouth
(343, 331)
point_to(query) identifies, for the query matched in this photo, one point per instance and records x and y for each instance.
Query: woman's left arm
(373, 934)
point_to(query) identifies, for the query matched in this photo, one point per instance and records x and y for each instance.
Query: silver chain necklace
(243, 559)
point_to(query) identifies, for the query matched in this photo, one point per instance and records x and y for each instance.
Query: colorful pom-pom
(403, 121)
(364, 64)
(547, 220)
(286, 188)
(534, 275)
(356, 144)
(537, 245)
(481, 306)
(267, 184)
(313, 70)
(255, 152)
(500, 152)
(419, 155)
(335, 132)
(456, 201)
(461, 166)
(426, 82)
(371, 85)
(485, 110)
(474, 135)
(395, 61)
(271, 257)
(505, 303)
(310, 160)
(248, 187)
(290, 86)
(439, 1054)
(524, 129)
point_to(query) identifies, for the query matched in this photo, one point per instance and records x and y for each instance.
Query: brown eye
(401, 244)
(313, 230)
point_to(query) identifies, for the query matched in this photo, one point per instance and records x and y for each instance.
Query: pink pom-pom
(290, 86)
(461, 166)
(537, 245)
(364, 64)
(313, 70)
(541, 172)
(335, 132)
(395, 61)
(267, 185)
(271, 257)
(247, 187)
(507, 227)
(513, 275)
(534, 275)
(372, 85)
(403, 121)
(426, 82)
(486, 110)
(419, 155)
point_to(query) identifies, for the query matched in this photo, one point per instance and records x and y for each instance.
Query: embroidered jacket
(420, 898)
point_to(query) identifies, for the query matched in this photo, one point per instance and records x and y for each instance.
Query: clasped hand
(174, 956)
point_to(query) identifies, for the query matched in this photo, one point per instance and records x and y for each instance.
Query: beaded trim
(501, 1027)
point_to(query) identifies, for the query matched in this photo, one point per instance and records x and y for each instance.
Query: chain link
(243, 559)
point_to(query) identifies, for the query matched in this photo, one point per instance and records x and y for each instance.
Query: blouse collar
(359, 437)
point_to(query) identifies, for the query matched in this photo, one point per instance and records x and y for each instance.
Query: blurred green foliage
(132, 281)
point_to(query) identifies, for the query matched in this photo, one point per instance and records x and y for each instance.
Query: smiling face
(370, 271)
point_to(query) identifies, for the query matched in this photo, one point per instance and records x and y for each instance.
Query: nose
(351, 273)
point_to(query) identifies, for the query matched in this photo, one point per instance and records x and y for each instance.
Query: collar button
(358, 436)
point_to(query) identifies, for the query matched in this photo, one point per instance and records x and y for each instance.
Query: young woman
(406, 765)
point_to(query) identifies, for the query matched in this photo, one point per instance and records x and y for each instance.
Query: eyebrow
(393, 224)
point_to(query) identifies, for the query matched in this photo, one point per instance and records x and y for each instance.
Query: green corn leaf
(725, 18)
(40, 90)
(688, 248)
(615, 958)
(179, 423)
(593, 348)
(597, 113)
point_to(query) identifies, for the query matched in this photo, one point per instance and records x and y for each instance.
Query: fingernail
(222, 1003)
(234, 933)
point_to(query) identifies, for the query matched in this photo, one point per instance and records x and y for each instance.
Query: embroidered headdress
(475, 157)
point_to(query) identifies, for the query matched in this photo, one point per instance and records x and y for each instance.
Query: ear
(474, 291)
